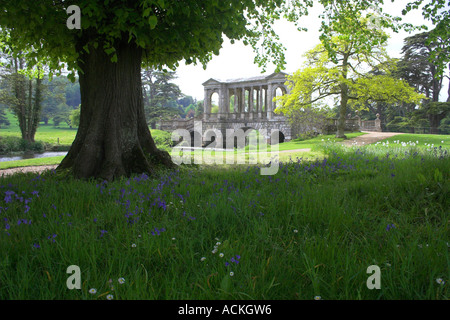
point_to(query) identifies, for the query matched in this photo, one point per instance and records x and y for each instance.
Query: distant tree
(444, 127)
(75, 117)
(342, 76)
(438, 12)
(23, 94)
(53, 97)
(420, 67)
(63, 113)
(435, 112)
(3, 118)
(186, 101)
(160, 95)
(72, 92)
(199, 108)
(189, 111)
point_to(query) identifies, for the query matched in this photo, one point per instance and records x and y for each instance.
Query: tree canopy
(343, 73)
(167, 31)
(438, 12)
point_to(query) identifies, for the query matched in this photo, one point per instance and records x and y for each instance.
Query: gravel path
(370, 137)
(35, 169)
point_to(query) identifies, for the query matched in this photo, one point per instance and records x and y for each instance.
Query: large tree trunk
(113, 139)
(344, 100)
(342, 116)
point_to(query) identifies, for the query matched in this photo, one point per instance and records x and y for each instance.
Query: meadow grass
(226, 232)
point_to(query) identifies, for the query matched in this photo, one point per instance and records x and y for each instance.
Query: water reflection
(34, 155)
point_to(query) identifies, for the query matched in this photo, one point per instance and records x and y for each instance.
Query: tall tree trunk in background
(26, 106)
(29, 111)
(448, 97)
(20, 94)
(37, 106)
(113, 139)
(344, 101)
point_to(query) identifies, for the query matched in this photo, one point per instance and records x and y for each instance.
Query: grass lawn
(31, 162)
(420, 140)
(226, 232)
(46, 133)
(311, 143)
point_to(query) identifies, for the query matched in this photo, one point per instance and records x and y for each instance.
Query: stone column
(242, 106)
(269, 105)
(250, 103)
(223, 98)
(235, 106)
(266, 100)
(206, 105)
(260, 102)
(378, 123)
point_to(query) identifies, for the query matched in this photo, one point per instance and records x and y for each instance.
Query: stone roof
(249, 79)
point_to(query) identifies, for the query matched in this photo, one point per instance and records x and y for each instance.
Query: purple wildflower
(390, 226)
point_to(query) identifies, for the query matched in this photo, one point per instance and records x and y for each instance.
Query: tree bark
(36, 107)
(448, 97)
(113, 139)
(26, 107)
(344, 101)
(20, 95)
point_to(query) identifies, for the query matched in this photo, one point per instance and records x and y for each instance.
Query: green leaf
(153, 21)
(146, 12)
(225, 283)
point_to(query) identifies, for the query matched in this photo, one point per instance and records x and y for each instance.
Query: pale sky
(236, 60)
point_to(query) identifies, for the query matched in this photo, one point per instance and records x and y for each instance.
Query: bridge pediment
(211, 82)
(277, 76)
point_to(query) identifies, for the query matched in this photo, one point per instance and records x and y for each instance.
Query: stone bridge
(242, 104)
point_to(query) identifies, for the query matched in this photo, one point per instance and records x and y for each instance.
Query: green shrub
(16, 144)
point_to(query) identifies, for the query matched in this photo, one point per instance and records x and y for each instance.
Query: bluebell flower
(390, 226)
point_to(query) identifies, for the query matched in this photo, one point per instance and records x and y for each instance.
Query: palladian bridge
(245, 104)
